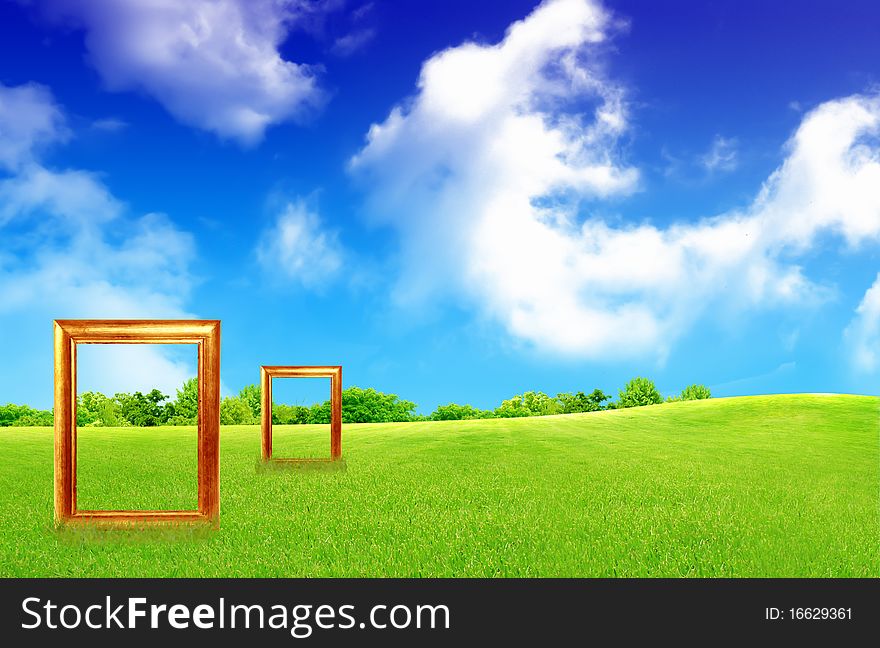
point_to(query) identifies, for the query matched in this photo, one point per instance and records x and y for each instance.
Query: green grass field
(758, 486)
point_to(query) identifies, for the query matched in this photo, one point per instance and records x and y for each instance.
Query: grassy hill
(757, 486)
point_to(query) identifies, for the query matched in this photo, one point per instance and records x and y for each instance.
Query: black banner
(436, 612)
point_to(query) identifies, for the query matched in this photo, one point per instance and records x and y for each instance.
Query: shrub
(455, 412)
(638, 392)
(695, 392)
(580, 402)
(289, 414)
(36, 418)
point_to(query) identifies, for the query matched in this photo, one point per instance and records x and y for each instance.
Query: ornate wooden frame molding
(204, 333)
(334, 373)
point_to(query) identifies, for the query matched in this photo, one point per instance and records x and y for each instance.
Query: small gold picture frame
(204, 333)
(334, 373)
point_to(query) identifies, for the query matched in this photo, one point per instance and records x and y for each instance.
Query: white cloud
(485, 125)
(353, 41)
(486, 170)
(213, 64)
(29, 120)
(721, 156)
(863, 333)
(360, 33)
(69, 250)
(74, 198)
(298, 245)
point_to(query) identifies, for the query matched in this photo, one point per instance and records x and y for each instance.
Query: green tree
(367, 406)
(186, 405)
(695, 392)
(234, 411)
(540, 404)
(11, 413)
(358, 406)
(251, 395)
(529, 404)
(638, 392)
(319, 413)
(162, 409)
(580, 402)
(512, 408)
(22, 415)
(597, 399)
(289, 414)
(142, 410)
(94, 408)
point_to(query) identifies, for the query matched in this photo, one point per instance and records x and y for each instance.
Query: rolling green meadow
(754, 486)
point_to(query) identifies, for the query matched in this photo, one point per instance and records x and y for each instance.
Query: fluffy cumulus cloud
(490, 171)
(213, 64)
(71, 250)
(299, 248)
(30, 120)
(488, 128)
(863, 333)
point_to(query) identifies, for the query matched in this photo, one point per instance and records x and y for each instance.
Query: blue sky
(457, 201)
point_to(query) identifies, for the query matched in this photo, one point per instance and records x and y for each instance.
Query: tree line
(358, 406)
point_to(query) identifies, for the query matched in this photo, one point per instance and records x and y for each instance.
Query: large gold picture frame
(334, 373)
(204, 333)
